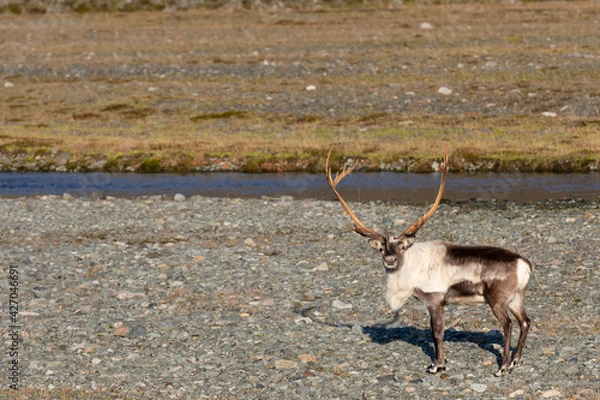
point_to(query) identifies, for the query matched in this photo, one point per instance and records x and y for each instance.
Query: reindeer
(439, 273)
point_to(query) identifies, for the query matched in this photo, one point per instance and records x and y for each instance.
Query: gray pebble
(213, 315)
(479, 387)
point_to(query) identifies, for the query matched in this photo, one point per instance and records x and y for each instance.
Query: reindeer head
(392, 248)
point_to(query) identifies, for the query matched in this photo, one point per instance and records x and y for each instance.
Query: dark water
(391, 187)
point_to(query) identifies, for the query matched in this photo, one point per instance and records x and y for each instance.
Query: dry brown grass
(244, 110)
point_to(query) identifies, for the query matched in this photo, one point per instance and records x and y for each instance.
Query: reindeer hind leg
(500, 310)
(517, 308)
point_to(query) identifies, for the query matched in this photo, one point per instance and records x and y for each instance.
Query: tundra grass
(537, 142)
(376, 87)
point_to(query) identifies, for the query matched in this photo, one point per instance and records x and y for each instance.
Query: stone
(250, 243)
(585, 392)
(286, 364)
(263, 303)
(572, 370)
(478, 387)
(307, 358)
(179, 197)
(386, 378)
(306, 320)
(551, 393)
(321, 267)
(95, 195)
(340, 305)
(138, 330)
(130, 296)
(63, 159)
(99, 164)
(548, 351)
(400, 222)
(445, 91)
(122, 330)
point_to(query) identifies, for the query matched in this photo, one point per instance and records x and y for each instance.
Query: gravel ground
(275, 298)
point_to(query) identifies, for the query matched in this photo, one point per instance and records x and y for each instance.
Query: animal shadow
(383, 334)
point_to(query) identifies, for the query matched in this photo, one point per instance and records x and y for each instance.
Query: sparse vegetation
(220, 115)
(150, 165)
(242, 99)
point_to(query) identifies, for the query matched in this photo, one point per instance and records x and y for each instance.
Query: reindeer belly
(466, 300)
(465, 292)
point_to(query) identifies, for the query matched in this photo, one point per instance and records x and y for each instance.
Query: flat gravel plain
(275, 299)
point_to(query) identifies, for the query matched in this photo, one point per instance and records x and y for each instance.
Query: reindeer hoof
(434, 369)
(506, 369)
(514, 363)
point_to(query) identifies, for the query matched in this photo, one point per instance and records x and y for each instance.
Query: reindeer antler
(358, 227)
(414, 228)
(361, 228)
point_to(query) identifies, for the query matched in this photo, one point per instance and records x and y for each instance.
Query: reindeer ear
(407, 241)
(376, 244)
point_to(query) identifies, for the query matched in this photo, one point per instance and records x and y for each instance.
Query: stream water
(385, 186)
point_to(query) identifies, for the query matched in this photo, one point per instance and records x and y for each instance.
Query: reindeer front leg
(435, 306)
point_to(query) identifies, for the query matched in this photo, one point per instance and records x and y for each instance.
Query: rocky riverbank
(274, 298)
(60, 161)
